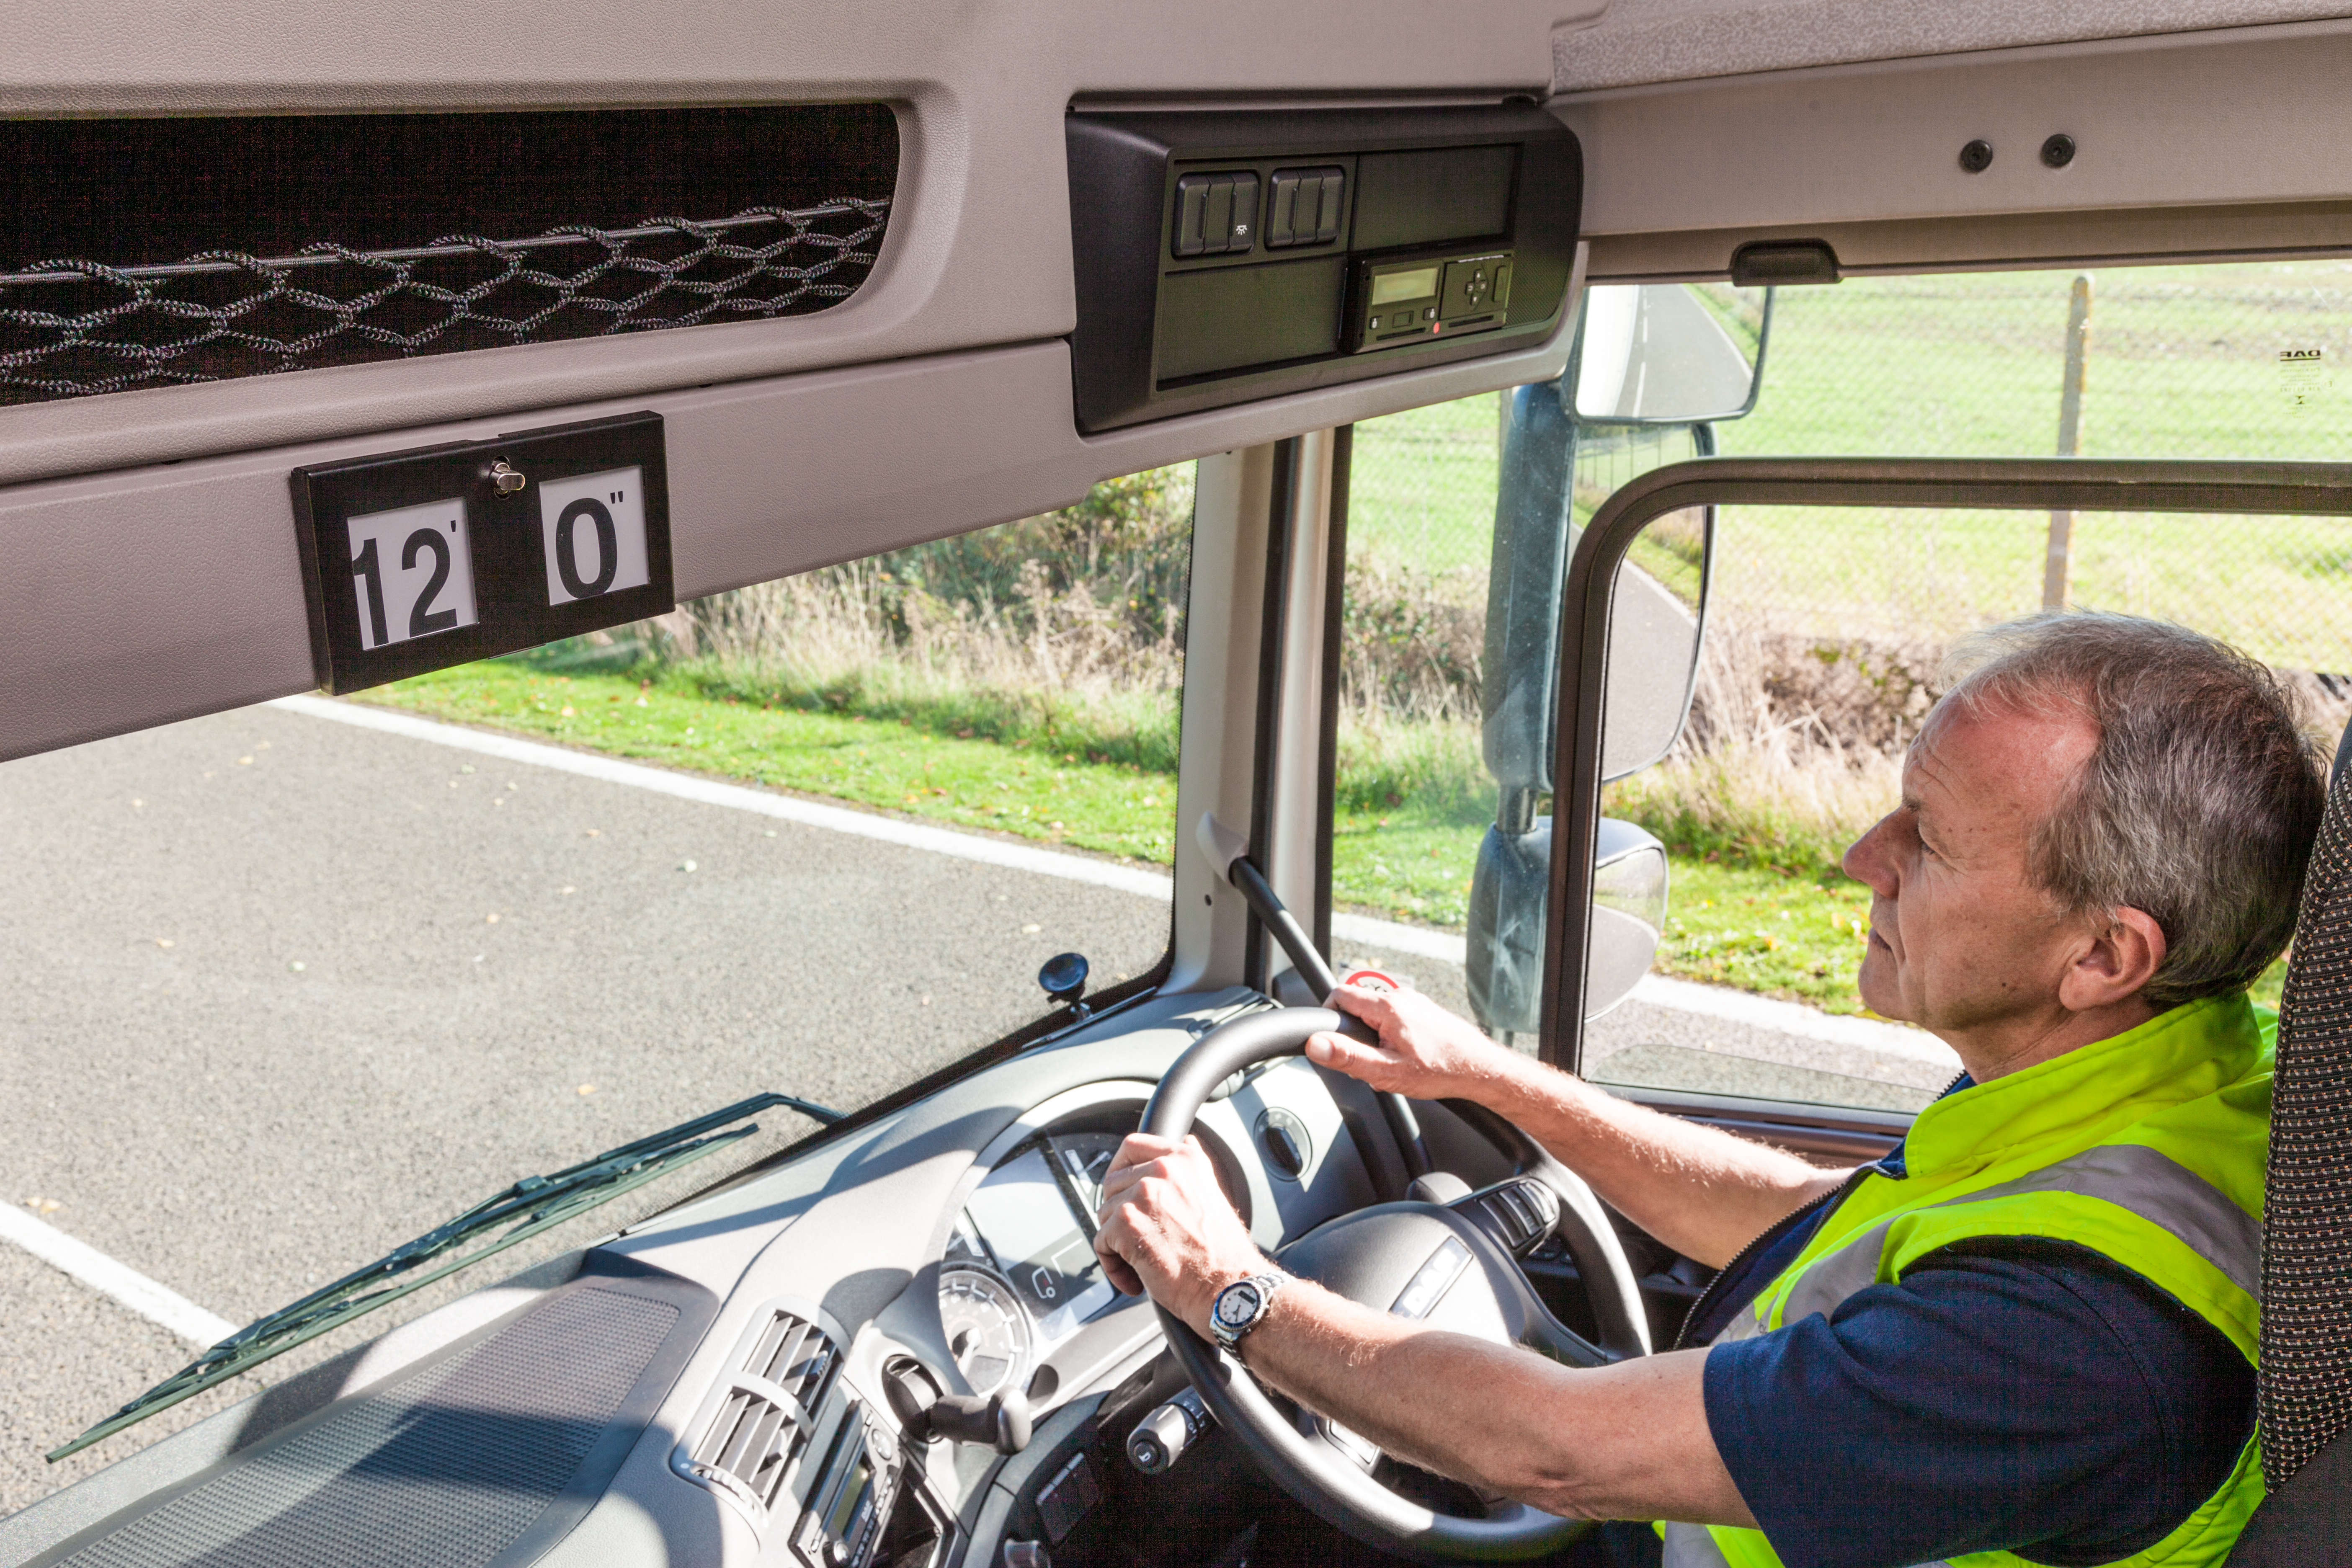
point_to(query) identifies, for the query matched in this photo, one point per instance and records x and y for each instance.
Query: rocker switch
(1216, 214)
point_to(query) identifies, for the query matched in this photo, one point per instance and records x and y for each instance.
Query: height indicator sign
(419, 560)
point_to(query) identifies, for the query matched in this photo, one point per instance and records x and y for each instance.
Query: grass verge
(1056, 797)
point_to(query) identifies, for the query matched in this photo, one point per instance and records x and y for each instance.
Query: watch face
(1237, 1305)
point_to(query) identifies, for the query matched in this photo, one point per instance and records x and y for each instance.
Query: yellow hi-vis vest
(2148, 1148)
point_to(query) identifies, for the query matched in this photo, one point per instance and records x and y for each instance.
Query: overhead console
(1225, 256)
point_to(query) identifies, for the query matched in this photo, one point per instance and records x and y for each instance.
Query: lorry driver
(2030, 1330)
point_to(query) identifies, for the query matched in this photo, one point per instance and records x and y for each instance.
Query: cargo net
(78, 329)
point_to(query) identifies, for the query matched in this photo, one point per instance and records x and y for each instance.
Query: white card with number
(411, 572)
(592, 530)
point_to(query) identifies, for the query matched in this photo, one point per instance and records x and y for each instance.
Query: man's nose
(1867, 862)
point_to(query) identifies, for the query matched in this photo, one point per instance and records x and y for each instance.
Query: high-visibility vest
(2148, 1148)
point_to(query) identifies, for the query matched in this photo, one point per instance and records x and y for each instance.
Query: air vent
(755, 1441)
(153, 252)
(795, 1356)
(766, 1413)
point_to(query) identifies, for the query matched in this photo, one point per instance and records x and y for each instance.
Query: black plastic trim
(1121, 174)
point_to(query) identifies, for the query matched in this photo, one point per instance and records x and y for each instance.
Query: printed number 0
(419, 623)
(567, 559)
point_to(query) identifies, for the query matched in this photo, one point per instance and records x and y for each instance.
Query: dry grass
(1795, 744)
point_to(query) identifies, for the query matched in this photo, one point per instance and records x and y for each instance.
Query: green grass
(1420, 485)
(2182, 363)
(1055, 798)
(1791, 932)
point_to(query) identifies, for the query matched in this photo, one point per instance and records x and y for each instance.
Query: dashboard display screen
(1032, 1222)
(1390, 286)
(1037, 1241)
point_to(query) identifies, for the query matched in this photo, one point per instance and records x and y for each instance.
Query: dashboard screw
(1977, 156)
(2058, 152)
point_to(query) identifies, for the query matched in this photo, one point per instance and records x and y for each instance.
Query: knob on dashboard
(1063, 978)
(1001, 1421)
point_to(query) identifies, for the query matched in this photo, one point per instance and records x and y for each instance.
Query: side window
(1826, 627)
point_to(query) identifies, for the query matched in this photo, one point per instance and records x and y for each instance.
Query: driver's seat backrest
(2305, 1378)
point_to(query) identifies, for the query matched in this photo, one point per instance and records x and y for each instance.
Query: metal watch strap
(1266, 1286)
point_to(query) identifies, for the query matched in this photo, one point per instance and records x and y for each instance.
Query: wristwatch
(1242, 1305)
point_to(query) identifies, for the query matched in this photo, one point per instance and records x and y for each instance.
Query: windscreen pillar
(1254, 680)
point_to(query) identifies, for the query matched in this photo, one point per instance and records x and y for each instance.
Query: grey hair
(2198, 805)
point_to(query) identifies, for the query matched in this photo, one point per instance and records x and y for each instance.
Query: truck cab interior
(336, 348)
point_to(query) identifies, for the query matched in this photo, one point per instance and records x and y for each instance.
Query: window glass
(1824, 627)
(287, 987)
(2238, 361)
(1794, 746)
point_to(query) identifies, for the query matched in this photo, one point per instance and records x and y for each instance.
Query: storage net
(79, 328)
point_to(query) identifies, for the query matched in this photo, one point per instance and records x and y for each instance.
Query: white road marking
(104, 1275)
(1680, 996)
(710, 791)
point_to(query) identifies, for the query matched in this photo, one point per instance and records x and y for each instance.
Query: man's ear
(2114, 965)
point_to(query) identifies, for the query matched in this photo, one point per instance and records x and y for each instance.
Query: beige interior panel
(978, 252)
(2242, 118)
(138, 598)
(2002, 240)
(1634, 41)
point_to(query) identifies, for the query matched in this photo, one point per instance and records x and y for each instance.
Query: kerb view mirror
(1670, 354)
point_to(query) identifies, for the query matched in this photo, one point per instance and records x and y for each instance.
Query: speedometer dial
(988, 1332)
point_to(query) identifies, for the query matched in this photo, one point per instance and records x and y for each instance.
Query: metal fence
(2237, 360)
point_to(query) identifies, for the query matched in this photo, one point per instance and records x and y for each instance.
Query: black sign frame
(509, 577)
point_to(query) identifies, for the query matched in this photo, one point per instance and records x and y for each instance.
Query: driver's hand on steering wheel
(1167, 1228)
(1424, 1052)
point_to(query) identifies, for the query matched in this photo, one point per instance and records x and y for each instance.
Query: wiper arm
(532, 1204)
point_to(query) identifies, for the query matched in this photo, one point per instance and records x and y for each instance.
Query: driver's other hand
(1168, 1229)
(1425, 1051)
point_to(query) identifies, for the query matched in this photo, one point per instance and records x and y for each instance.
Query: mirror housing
(1669, 354)
(1507, 894)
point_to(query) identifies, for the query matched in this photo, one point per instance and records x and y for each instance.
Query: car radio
(1427, 297)
(852, 1498)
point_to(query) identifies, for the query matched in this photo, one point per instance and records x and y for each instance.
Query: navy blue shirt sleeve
(2012, 1394)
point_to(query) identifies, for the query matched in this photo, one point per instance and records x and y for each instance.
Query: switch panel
(1225, 256)
(1303, 207)
(1216, 214)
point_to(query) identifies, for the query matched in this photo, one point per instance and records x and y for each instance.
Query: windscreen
(290, 986)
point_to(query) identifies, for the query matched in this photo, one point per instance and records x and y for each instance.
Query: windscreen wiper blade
(529, 1207)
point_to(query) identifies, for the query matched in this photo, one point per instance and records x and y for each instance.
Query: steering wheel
(1373, 1256)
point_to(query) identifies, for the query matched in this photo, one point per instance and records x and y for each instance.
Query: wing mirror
(1657, 625)
(1506, 922)
(1670, 354)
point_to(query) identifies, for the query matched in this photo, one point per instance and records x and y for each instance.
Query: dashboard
(747, 1378)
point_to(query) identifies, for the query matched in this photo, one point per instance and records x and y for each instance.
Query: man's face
(1961, 937)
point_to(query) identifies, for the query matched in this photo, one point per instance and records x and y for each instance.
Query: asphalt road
(278, 993)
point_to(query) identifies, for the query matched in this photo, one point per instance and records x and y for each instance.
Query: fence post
(2056, 565)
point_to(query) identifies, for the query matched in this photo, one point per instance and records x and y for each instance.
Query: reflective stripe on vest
(2148, 1148)
(2151, 1184)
